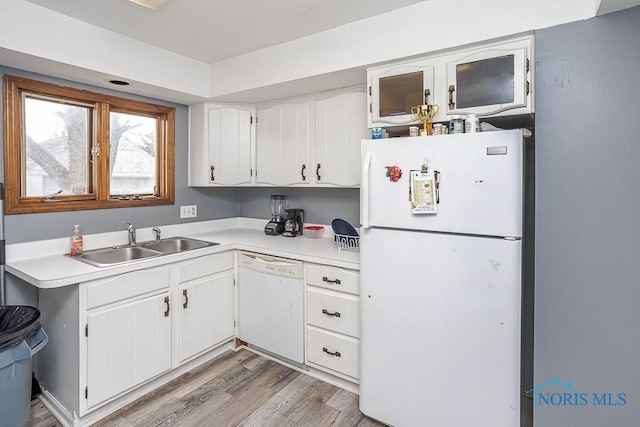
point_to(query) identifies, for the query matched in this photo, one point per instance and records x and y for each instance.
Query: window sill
(64, 206)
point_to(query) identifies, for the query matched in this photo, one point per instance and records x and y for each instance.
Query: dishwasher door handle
(270, 261)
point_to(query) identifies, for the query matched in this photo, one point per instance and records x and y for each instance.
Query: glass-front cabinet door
(490, 81)
(395, 89)
(494, 78)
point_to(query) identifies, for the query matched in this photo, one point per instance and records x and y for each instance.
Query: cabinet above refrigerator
(489, 79)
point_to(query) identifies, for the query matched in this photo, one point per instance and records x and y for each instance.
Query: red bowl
(313, 231)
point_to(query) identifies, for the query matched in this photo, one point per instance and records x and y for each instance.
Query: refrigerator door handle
(364, 191)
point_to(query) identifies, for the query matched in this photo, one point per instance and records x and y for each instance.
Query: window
(70, 149)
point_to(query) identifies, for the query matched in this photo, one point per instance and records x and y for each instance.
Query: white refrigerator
(441, 267)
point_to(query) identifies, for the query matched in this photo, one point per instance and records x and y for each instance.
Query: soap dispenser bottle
(76, 241)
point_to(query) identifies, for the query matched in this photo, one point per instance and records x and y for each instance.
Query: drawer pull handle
(186, 299)
(326, 279)
(166, 301)
(335, 353)
(335, 313)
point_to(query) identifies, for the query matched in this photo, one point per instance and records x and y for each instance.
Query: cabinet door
(127, 345)
(283, 144)
(229, 131)
(490, 81)
(220, 144)
(395, 89)
(205, 313)
(341, 123)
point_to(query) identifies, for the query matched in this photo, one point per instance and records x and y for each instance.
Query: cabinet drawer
(119, 288)
(337, 279)
(335, 311)
(204, 266)
(345, 357)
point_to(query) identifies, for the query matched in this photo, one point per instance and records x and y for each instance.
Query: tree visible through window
(68, 149)
(57, 144)
(132, 154)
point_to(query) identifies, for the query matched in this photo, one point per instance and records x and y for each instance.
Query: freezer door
(480, 183)
(440, 329)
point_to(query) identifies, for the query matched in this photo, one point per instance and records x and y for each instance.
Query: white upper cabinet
(340, 125)
(395, 89)
(282, 149)
(488, 79)
(220, 147)
(304, 141)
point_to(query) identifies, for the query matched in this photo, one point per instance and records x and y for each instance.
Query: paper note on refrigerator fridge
(422, 193)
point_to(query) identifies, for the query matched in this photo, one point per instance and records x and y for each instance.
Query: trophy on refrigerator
(425, 113)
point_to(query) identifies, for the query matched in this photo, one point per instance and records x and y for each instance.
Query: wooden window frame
(15, 203)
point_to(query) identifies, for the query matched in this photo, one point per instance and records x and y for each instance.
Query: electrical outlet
(189, 211)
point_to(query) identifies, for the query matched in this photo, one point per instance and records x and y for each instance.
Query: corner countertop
(44, 265)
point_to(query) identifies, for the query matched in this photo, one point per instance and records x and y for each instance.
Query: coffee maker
(294, 223)
(275, 227)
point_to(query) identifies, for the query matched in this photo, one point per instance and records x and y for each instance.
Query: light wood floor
(235, 389)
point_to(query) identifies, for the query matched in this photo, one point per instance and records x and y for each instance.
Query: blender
(275, 227)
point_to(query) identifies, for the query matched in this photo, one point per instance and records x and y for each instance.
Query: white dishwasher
(271, 304)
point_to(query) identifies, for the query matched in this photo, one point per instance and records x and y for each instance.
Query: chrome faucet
(132, 233)
(157, 231)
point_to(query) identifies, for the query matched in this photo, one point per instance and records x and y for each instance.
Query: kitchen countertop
(44, 265)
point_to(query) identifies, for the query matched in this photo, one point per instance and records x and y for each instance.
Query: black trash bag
(35, 387)
(17, 322)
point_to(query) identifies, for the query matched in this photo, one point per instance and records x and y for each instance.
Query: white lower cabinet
(334, 353)
(127, 345)
(206, 306)
(127, 332)
(110, 336)
(333, 325)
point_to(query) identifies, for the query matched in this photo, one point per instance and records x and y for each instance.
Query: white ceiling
(212, 30)
(241, 50)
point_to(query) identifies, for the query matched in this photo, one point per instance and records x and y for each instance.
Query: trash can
(21, 336)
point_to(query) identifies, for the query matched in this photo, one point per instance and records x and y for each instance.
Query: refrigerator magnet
(394, 173)
(422, 191)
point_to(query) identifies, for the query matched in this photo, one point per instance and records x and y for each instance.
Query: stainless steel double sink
(106, 257)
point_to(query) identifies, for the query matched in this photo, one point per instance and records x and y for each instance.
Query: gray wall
(321, 205)
(587, 205)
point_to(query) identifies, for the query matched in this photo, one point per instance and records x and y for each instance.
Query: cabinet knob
(166, 301)
(304, 177)
(186, 299)
(318, 171)
(213, 174)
